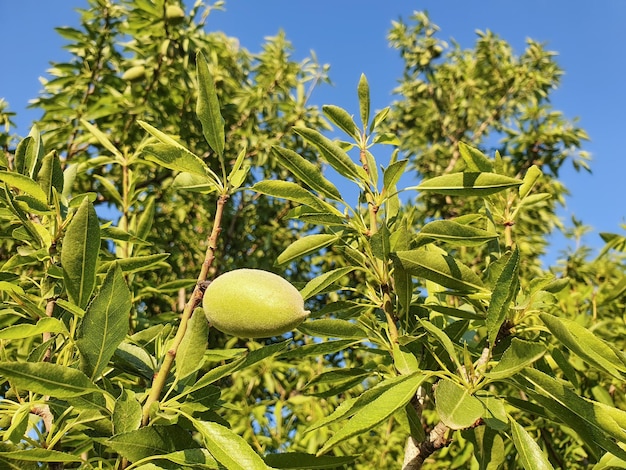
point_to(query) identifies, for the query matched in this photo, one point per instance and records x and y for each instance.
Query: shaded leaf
(47, 379)
(151, 441)
(195, 183)
(503, 294)
(191, 349)
(303, 461)
(40, 455)
(79, 254)
(331, 328)
(456, 407)
(474, 158)
(126, 413)
(208, 107)
(518, 355)
(105, 323)
(449, 231)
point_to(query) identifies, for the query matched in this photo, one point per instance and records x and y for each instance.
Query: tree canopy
(167, 155)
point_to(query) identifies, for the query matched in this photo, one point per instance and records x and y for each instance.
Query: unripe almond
(134, 73)
(252, 303)
(174, 14)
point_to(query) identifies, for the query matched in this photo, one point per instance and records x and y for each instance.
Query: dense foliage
(166, 155)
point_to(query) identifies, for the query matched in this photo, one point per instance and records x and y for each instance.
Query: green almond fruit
(134, 73)
(174, 14)
(252, 303)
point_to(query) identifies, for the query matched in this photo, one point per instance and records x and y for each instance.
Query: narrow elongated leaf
(441, 269)
(474, 158)
(452, 232)
(40, 455)
(23, 156)
(342, 119)
(50, 175)
(332, 328)
(228, 448)
(175, 158)
(290, 191)
(518, 355)
(530, 455)
(319, 283)
(111, 191)
(105, 323)
(305, 246)
(469, 184)
(589, 411)
(189, 458)
(381, 408)
(138, 263)
(144, 224)
(208, 107)
(195, 183)
(79, 254)
(102, 138)
(24, 184)
(333, 154)
(504, 292)
(44, 325)
(318, 349)
(307, 172)
(191, 350)
(586, 345)
(456, 407)
(363, 92)
(150, 441)
(443, 339)
(531, 177)
(300, 460)
(47, 379)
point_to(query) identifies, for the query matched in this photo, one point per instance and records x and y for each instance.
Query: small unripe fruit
(251, 303)
(134, 73)
(174, 14)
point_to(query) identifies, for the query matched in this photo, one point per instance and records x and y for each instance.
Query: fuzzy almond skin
(252, 303)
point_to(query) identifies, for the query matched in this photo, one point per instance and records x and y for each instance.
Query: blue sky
(350, 35)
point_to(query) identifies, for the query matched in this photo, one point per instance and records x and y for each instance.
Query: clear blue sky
(350, 35)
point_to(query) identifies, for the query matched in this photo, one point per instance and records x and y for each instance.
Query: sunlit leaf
(469, 184)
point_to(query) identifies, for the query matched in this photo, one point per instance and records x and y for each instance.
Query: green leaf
(144, 224)
(443, 339)
(488, 447)
(137, 263)
(50, 175)
(379, 118)
(292, 192)
(102, 138)
(305, 246)
(113, 193)
(228, 448)
(40, 455)
(518, 355)
(79, 254)
(456, 407)
(303, 461)
(333, 154)
(378, 410)
(474, 158)
(586, 345)
(592, 413)
(47, 379)
(342, 119)
(195, 183)
(530, 178)
(452, 232)
(208, 107)
(126, 413)
(529, 453)
(363, 92)
(441, 269)
(503, 294)
(468, 184)
(380, 244)
(176, 158)
(191, 350)
(151, 441)
(331, 328)
(105, 324)
(318, 349)
(393, 173)
(44, 325)
(320, 283)
(24, 184)
(307, 172)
